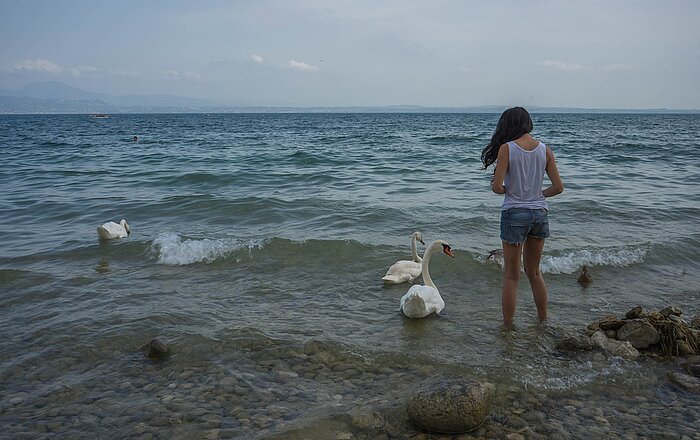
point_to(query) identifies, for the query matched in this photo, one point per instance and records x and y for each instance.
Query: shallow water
(257, 250)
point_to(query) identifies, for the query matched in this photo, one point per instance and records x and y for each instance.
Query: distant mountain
(54, 90)
(24, 105)
(57, 97)
(58, 90)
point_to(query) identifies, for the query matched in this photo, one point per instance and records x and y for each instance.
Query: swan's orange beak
(448, 250)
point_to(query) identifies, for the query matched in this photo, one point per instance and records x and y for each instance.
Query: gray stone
(670, 310)
(611, 324)
(575, 343)
(684, 381)
(156, 349)
(614, 347)
(449, 406)
(612, 334)
(684, 349)
(634, 313)
(677, 319)
(639, 332)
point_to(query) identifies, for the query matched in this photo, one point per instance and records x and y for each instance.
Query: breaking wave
(174, 250)
(572, 261)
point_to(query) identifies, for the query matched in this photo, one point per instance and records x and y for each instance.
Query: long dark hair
(513, 123)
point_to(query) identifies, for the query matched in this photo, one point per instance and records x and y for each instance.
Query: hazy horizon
(626, 55)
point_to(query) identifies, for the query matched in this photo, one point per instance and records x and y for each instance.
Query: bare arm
(499, 173)
(553, 173)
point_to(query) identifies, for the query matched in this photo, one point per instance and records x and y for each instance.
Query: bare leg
(532, 255)
(511, 273)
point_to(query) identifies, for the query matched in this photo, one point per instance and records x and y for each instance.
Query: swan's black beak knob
(448, 250)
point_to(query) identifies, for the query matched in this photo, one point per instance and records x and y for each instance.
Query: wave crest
(572, 261)
(174, 250)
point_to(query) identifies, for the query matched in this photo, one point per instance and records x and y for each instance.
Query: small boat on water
(99, 116)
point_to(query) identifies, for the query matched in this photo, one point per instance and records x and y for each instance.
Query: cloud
(558, 65)
(257, 58)
(177, 75)
(127, 73)
(39, 65)
(618, 67)
(87, 69)
(46, 66)
(301, 66)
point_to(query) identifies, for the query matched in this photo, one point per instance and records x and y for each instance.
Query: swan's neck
(414, 252)
(425, 271)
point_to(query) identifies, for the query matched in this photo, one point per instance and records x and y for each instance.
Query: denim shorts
(519, 223)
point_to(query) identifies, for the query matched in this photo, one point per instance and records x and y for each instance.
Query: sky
(593, 54)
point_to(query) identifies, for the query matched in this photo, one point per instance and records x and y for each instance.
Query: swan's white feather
(402, 271)
(406, 270)
(421, 301)
(111, 230)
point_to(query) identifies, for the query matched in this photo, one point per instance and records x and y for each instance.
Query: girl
(521, 162)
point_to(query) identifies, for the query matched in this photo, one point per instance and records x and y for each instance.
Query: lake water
(257, 249)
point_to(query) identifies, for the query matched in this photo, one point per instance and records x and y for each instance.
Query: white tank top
(523, 180)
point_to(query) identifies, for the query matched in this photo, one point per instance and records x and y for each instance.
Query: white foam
(572, 261)
(173, 250)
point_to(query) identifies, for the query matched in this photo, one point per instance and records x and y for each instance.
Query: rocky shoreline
(661, 333)
(262, 388)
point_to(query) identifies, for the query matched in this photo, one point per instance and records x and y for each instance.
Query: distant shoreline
(54, 97)
(351, 110)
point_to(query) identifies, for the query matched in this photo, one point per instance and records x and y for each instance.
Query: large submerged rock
(575, 343)
(156, 349)
(449, 406)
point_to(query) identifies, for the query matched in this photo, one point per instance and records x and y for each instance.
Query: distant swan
(421, 301)
(110, 230)
(405, 270)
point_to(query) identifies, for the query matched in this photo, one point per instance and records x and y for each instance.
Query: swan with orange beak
(422, 300)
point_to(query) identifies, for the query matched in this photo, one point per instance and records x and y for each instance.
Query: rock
(611, 324)
(156, 349)
(575, 343)
(612, 334)
(595, 326)
(449, 406)
(684, 349)
(634, 313)
(614, 347)
(365, 421)
(695, 323)
(677, 319)
(670, 310)
(639, 332)
(696, 334)
(688, 383)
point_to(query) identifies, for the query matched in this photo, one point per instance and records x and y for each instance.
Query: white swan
(110, 230)
(421, 301)
(405, 270)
